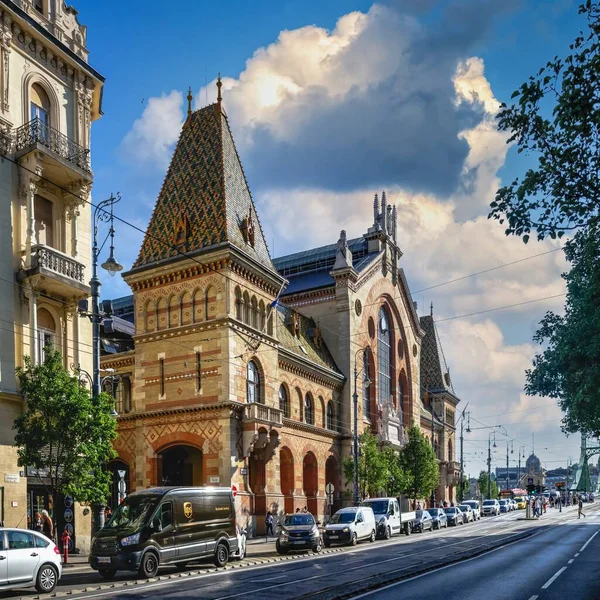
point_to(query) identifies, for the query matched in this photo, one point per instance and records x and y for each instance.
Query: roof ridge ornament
(219, 95)
(189, 99)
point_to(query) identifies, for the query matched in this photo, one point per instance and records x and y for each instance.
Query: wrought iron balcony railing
(57, 262)
(39, 132)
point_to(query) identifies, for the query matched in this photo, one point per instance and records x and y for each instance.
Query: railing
(39, 132)
(265, 414)
(57, 262)
(454, 465)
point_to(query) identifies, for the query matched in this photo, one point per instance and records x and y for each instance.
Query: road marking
(533, 598)
(571, 561)
(576, 554)
(553, 578)
(270, 579)
(585, 545)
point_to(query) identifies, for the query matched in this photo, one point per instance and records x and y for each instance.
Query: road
(342, 573)
(554, 563)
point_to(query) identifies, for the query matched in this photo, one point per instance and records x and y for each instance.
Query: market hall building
(236, 368)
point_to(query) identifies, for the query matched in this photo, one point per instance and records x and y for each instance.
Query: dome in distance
(533, 464)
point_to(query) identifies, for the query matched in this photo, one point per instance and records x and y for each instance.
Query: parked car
(299, 531)
(388, 517)
(504, 506)
(423, 521)
(28, 559)
(350, 525)
(166, 526)
(491, 508)
(467, 511)
(591, 497)
(454, 515)
(521, 502)
(513, 504)
(475, 507)
(438, 516)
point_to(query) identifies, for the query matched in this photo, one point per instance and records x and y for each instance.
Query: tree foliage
(482, 482)
(418, 462)
(569, 367)
(63, 431)
(556, 120)
(372, 466)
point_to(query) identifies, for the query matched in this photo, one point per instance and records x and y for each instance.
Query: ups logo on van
(187, 510)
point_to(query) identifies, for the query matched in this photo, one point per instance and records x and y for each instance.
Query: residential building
(49, 97)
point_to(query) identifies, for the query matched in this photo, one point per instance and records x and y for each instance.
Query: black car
(299, 531)
(423, 522)
(439, 518)
(454, 516)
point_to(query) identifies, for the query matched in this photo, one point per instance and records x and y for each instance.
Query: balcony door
(44, 221)
(40, 112)
(46, 333)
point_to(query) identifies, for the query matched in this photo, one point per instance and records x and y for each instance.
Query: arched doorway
(257, 475)
(310, 480)
(332, 475)
(180, 465)
(286, 471)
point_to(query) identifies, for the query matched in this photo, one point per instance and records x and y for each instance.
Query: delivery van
(166, 526)
(350, 525)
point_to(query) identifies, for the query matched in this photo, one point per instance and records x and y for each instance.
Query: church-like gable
(205, 200)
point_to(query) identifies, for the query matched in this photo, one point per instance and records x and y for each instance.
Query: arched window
(450, 456)
(383, 356)
(309, 410)
(46, 333)
(330, 424)
(40, 108)
(253, 383)
(284, 404)
(400, 396)
(366, 386)
(209, 303)
(239, 311)
(254, 312)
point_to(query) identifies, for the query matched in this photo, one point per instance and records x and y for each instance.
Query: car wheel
(372, 538)
(280, 549)
(149, 565)
(221, 555)
(318, 546)
(388, 533)
(354, 539)
(107, 573)
(47, 578)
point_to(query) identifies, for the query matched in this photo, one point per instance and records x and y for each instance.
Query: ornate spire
(375, 211)
(431, 309)
(394, 223)
(219, 96)
(189, 99)
(384, 212)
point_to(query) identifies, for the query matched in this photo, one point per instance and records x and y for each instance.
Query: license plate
(298, 542)
(333, 537)
(103, 560)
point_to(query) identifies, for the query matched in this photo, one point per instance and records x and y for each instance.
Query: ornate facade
(49, 96)
(242, 368)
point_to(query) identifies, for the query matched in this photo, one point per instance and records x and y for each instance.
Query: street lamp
(111, 378)
(355, 401)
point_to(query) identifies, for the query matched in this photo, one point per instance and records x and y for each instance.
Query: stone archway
(180, 465)
(286, 469)
(332, 475)
(310, 481)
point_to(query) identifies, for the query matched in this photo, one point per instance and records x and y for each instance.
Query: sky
(330, 102)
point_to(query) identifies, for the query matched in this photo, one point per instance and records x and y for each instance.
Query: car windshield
(465, 507)
(434, 512)
(380, 507)
(299, 519)
(489, 503)
(450, 511)
(133, 512)
(345, 517)
(471, 504)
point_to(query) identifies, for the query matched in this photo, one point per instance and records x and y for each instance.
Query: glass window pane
(383, 357)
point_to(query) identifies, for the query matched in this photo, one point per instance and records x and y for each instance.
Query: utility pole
(507, 484)
(355, 437)
(489, 464)
(462, 461)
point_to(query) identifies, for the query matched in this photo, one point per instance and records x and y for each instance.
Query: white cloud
(152, 136)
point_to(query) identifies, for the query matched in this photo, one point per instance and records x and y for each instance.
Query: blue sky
(404, 102)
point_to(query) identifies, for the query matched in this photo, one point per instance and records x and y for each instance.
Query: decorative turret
(376, 211)
(384, 213)
(343, 256)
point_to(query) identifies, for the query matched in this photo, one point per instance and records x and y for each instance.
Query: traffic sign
(330, 488)
(234, 490)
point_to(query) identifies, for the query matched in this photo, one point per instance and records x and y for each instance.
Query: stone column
(32, 295)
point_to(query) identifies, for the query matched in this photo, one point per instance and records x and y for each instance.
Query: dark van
(166, 526)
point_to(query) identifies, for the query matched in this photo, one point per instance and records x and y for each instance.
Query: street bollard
(65, 538)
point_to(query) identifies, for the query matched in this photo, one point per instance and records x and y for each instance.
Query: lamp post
(355, 432)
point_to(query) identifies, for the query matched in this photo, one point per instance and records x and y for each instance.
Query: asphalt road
(555, 563)
(332, 575)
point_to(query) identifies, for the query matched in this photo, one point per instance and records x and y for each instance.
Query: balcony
(57, 149)
(61, 275)
(267, 415)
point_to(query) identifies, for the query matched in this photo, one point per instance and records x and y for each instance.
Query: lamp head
(111, 265)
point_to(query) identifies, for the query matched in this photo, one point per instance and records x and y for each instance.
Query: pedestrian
(107, 514)
(305, 509)
(37, 522)
(47, 525)
(419, 506)
(297, 510)
(269, 524)
(580, 508)
(544, 504)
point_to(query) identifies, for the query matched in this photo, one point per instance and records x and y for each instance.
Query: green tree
(373, 465)
(397, 479)
(482, 482)
(462, 491)
(418, 462)
(63, 431)
(556, 122)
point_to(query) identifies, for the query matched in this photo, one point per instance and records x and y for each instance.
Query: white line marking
(553, 578)
(585, 545)
(533, 598)
(571, 561)
(576, 554)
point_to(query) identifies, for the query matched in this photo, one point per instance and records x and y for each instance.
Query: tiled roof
(435, 374)
(205, 189)
(304, 344)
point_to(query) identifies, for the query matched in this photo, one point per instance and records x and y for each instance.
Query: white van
(387, 516)
(475, 507)
(350, 525)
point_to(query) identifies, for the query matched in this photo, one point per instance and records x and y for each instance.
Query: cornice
(122, 359)
(141, 415)
(314, 429)
(326, 294)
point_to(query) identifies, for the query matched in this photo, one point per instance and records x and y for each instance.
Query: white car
(491, 507)
(27, 559)
(475, 507)
(350, 525)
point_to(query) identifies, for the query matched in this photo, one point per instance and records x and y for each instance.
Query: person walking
(37, 522)
(269, 524)
(580, 508)
(47, 525)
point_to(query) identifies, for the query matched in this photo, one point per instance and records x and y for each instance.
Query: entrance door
(180, 466)
(3, 561)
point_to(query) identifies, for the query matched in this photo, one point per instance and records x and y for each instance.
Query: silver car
(27, 559)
